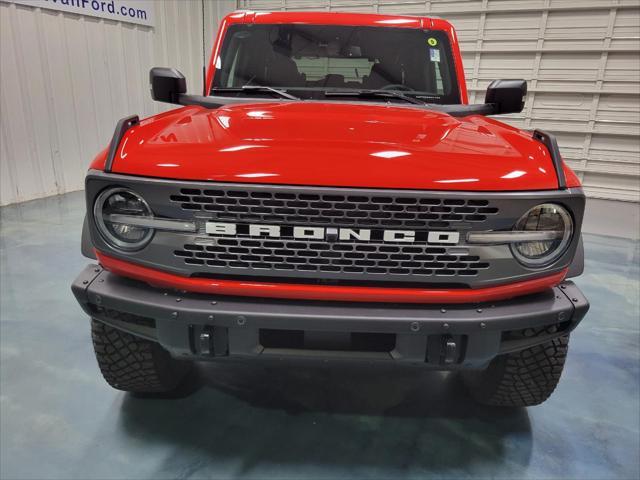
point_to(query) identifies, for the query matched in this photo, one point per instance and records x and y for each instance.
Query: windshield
(310, 60)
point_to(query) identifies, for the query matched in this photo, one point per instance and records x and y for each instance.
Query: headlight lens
(110, 211)
(547, 217)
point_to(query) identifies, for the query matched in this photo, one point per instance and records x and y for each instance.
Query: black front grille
(337, 258)
(304, 208)
(365, 258)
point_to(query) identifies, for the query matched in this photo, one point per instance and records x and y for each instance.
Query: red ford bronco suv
(332, 195)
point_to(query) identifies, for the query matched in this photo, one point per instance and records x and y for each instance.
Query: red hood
(335, 144)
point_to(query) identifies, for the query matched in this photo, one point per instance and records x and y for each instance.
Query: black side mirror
(167, 84)
(506, 96)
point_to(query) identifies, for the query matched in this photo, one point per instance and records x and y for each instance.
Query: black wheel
(134, 364)
(520, 379)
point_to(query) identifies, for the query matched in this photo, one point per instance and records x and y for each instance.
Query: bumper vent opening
(123, 317)
(136, 324)
(530, 333)
(516, 339)
(327, 341)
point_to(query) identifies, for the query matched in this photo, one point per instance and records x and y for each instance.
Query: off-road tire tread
(521, 379)
(134, 364)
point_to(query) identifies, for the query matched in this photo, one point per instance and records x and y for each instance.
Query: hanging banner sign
(129, 11)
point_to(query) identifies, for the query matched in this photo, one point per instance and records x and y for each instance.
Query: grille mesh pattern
(314, 256)
(290, 207)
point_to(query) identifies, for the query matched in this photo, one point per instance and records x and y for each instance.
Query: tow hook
(450, 350)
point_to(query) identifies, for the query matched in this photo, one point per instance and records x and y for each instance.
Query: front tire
(520, 379)
(134, 364)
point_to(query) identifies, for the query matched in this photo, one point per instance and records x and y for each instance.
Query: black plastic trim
(180, 316)
(505, 269)
(122, 126)
(576, 268)
(464, 110)
(86, 245)
(549, 141)
(455, 110)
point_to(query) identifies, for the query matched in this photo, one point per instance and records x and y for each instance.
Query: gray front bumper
(205, 327)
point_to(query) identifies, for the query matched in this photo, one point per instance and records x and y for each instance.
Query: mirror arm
(464, 110)
(207, 102)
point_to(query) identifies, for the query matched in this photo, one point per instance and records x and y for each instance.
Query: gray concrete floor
(60, 420)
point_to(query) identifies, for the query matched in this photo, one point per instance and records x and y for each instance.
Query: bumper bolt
(561, 316)
(574, 299)
(445, 326)
(214, 303)
(210, 317)
(443, 310)
(415, 326)
(483, 325)
(241, 320)
(479, 310)
(98, 299)
(84, 282)
(97, 270)
(563, 287)
(174, 314)
(178, 299)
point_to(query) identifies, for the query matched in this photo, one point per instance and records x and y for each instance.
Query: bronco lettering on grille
(329, 234)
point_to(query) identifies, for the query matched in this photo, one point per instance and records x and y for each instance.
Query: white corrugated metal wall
(581, 60)
(65, 80)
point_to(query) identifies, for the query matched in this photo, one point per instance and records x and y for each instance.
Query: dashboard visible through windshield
(318, 61)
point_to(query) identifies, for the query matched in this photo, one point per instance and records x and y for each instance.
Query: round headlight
(550, 218)
(114, 211)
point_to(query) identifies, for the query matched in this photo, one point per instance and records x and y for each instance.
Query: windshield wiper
(254, 89)
(373, 94)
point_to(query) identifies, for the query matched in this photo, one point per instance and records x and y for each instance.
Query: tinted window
(316, 58)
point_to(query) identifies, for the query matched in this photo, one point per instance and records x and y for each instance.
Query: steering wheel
(397, 86)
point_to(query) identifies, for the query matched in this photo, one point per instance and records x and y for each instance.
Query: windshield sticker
(432, 41)
(434, 54)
